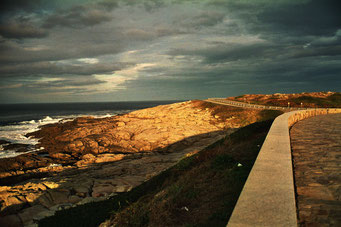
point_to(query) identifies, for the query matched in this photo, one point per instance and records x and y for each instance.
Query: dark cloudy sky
(121, 50)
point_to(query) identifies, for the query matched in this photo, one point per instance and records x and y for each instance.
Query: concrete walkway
(223, 101)
(316, 146)
(268, 196)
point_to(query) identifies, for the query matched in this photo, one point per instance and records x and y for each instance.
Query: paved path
(316, 146)
(223, 101)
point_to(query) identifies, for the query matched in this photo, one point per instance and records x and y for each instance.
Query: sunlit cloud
(89, 60)
(112, 83)
(11, 86)
(134, 71)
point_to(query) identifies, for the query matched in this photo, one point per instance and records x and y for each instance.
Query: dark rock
(60, 156)
(23, 162)
(27, 214)
(3, 142)
(17, 147)
(10, 221)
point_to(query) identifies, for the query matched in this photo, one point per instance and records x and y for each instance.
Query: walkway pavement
(316, 146)
(223, 101)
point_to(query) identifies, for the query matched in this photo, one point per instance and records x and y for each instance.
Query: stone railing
(300, 115)
(250, 106)
(268, 196)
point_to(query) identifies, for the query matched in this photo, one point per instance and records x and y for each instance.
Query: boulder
(61, 156)
(102, 190)
(12, 204)
(123, 135)
(78, 143)
(31, 197)
(104, 141)
(120, 124)
(86, 159)
(109, 158)
(50, 184)
(92, 144)
(42, 215)
(27, 214)
(74, 199)
(45, 200)
(81, 190)
(123, 188)
(90, 200)
(59, 195)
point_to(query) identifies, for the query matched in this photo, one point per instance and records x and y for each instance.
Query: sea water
(17, 120)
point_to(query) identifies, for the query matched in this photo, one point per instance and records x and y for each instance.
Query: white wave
(16, 133)
(10, 153)
(13, 153)
(48, 119)
(54, 165)
(27, 122)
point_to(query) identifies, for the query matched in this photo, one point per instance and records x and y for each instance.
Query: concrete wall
(268, 196)
(300, 115)
(223, 101)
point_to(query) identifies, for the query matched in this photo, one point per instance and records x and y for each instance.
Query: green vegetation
(222, 161)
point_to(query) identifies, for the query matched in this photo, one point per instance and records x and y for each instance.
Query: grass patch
(203, 193)
(265, 115)
(223, 161)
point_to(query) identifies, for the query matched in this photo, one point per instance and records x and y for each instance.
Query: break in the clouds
(114, 50)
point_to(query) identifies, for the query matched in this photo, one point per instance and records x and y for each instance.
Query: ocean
(16, 120)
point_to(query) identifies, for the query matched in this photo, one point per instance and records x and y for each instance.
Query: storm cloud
(21, 30)
(109, 50)
(77, 17)
(48, 68)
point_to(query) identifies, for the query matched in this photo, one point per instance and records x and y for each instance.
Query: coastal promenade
(268, 197)
(316, 147)
(223, 101)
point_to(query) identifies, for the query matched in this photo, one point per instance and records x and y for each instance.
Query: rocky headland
(306, 100)
(90, 159)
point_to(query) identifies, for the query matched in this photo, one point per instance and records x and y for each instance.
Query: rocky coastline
(91, 159)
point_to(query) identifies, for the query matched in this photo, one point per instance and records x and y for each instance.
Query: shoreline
(17, 120)
(27, 144)
(95, 160)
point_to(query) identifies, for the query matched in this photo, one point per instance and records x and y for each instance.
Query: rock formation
(90, 159)
(305, 100)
